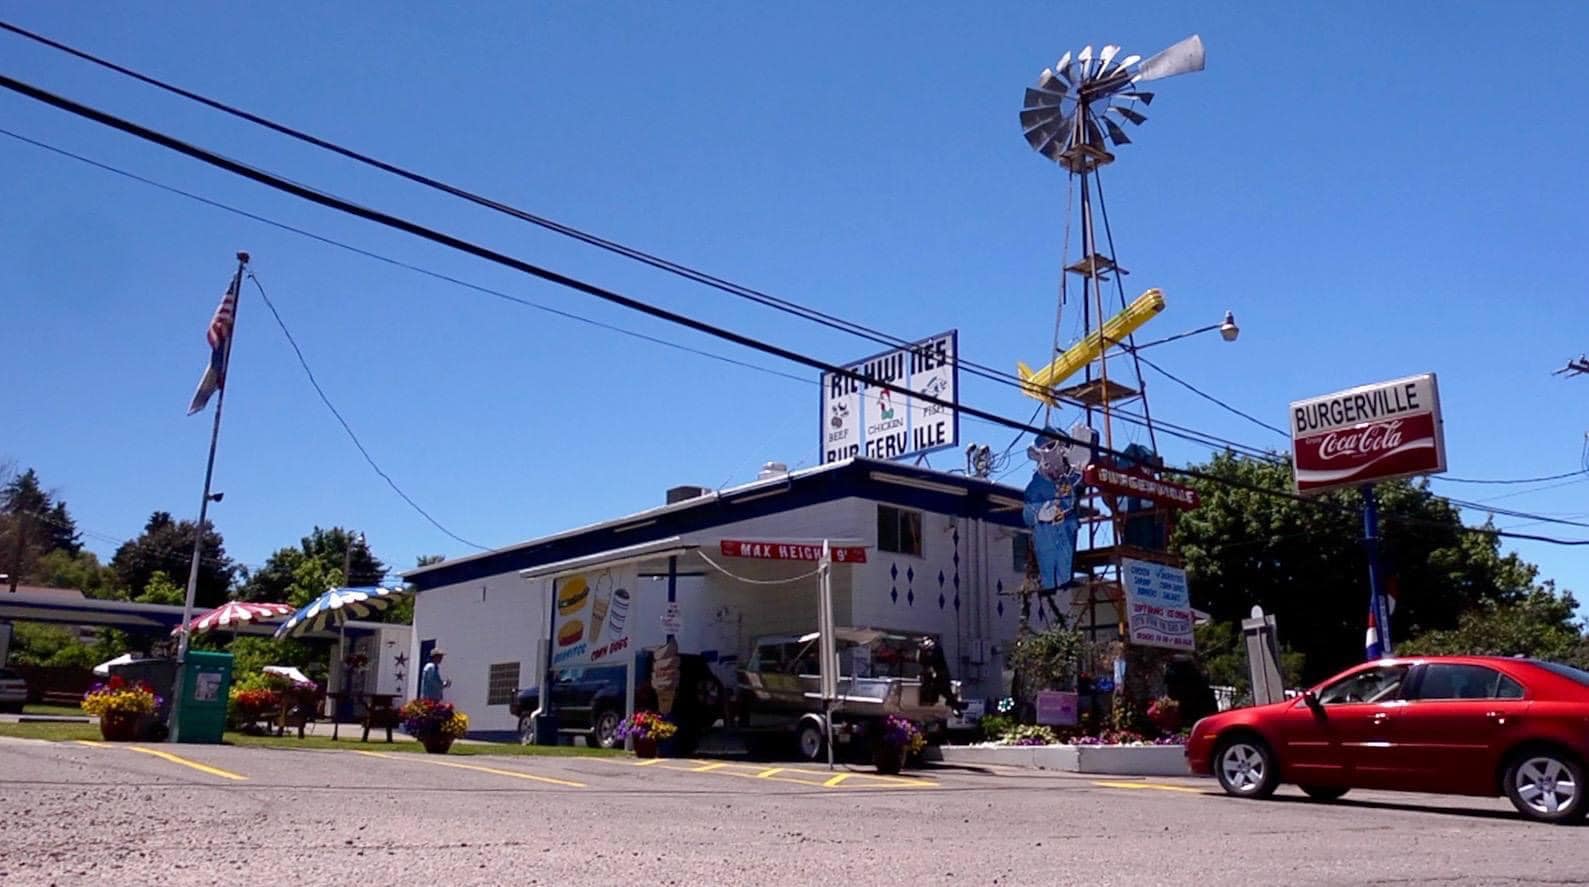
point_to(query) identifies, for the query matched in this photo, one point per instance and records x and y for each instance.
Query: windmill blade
(1062, 67)
(1105, 57)
(1116, 134)
(1085, 58)
(1129, 114)
(1145, 98)
(1047, 82)
(1182, 58)
(1037, 98)
(1035, 117)
(1129, 61)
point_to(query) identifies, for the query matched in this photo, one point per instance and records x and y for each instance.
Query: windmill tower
(1073, 115)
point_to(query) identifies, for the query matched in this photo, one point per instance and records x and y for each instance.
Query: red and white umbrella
(233, 614)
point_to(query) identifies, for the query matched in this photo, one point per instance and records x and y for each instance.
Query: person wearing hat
(431, 684)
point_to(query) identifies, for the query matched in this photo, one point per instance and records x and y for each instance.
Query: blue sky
(1375, 189)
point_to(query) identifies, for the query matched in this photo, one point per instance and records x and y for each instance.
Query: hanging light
(1228, 330)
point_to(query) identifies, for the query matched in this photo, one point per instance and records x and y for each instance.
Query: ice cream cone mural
(665, 676)
(598, 607)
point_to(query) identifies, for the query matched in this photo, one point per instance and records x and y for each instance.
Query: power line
(303, 362)
(1508, 481)
(415, 229)
(1208, 397)
(681, 270)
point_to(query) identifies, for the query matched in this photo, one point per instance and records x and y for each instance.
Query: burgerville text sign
(1372, 433)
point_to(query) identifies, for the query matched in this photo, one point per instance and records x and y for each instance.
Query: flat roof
(890, 482)
(69, 606)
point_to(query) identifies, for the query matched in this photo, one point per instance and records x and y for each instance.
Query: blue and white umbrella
(336, 607)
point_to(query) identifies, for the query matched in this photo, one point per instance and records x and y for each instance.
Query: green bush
(995, 726)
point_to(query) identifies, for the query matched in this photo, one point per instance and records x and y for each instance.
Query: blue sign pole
(1377, 643)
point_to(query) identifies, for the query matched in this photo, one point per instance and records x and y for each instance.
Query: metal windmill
(1073, 115)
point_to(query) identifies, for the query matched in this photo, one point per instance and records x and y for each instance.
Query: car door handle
(1380, 717)
(1497, 717)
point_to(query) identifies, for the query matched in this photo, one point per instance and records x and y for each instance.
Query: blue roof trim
(846, 480)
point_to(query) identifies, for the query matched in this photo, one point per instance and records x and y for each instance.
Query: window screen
(502, 679)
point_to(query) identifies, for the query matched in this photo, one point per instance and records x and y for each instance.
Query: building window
(502, 680)
(898, 530)
(1020, 549)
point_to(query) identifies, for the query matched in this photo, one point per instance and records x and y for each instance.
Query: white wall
(492, 620)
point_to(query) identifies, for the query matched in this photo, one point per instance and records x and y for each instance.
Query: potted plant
(900, 739)
(1165, 713)
(647, 728)
(434, 724)
(119, 705)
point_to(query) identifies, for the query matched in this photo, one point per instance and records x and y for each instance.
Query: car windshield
(1369, 685)
(1566, 671)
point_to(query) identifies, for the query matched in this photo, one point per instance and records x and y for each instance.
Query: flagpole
(204, 507)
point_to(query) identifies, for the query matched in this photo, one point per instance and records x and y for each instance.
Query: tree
(34, 643)
(1542, 625)
(84, 572)
(166, 546)
(275, 580)
(161, 590)
(1304, 561)
(33, 523)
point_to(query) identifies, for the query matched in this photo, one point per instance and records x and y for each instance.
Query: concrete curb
(1110, 760)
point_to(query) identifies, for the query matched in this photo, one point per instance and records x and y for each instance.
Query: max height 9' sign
(1372, 433)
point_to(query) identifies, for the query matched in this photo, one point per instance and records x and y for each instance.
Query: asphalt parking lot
(91, 813)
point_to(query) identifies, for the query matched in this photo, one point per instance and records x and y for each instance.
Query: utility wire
(704, 278)
(303, 362)
(1208, 397)
(517, 300)
(413, 228)
(1520, 480)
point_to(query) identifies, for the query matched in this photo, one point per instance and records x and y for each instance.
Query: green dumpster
(199, 714)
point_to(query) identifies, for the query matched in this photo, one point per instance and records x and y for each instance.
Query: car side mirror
(1312, 700)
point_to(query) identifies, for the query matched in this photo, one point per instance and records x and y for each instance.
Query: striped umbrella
(336, 607)
(232, 614)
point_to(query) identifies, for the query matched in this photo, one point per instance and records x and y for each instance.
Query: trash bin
(200, 713)
(161, 674)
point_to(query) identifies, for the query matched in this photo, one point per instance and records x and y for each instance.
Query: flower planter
(890, 759)
(645, 747)
(119, 726)
(436, 743)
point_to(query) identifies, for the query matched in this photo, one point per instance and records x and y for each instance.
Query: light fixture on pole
(1228, 330)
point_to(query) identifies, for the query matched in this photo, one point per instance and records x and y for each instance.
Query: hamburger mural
(590, 622)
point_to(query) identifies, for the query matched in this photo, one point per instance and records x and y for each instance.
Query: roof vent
(686, 493)
(772, 469)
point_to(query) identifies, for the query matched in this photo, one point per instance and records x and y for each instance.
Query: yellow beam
(1040, 384)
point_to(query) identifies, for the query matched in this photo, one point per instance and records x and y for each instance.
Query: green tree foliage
(82, 571)
(275, 580)
(1304, 562)
(160, 589)
(1222, 653)
(38, 644)
(33, 523)
(166, 546)
(1542, 625)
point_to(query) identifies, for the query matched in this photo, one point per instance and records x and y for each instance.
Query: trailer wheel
(811, 741)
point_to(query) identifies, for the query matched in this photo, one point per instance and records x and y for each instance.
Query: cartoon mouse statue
(1051, 498)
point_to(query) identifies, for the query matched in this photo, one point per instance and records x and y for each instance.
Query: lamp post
(1228, 330)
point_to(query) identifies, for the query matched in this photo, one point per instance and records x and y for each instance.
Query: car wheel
(1246, 768)
(810, 742)
(1546, 786)
(526, 730)
(606, 730)
(1323, 792)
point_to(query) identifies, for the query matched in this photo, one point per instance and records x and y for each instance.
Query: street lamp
(1228, 330)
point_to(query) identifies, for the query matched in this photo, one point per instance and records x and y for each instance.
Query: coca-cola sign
(1361, 435)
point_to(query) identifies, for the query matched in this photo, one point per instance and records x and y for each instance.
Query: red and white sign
(1361, 435)
(791, 551)
(1135, 482)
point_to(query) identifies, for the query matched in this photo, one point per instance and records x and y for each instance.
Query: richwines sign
(860, 417)
(1373, 433)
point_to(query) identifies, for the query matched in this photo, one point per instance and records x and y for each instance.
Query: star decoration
(401, 660)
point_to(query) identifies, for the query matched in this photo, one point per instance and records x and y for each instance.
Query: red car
(1467, 725)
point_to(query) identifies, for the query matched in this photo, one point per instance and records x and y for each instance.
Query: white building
(943, 554)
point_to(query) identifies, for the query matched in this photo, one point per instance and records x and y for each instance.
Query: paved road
(100, 814)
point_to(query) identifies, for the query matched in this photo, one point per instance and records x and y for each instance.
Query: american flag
(1377, 642)
(219, 335)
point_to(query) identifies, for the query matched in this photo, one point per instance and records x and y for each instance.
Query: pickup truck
(589, 702)
(881, 673)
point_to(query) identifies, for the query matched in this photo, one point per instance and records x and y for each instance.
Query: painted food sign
(862, 418)
(1361, 435)
(590, 618)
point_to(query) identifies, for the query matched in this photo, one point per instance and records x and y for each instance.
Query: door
(1360, 713)
(1458, 721)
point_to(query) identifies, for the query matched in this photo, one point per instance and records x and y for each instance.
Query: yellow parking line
(476, 767)
(707, 768)
(175, 759)
(820, 778)
(93, 743)
(1155, 786)
(647, 762)
(835, 780)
